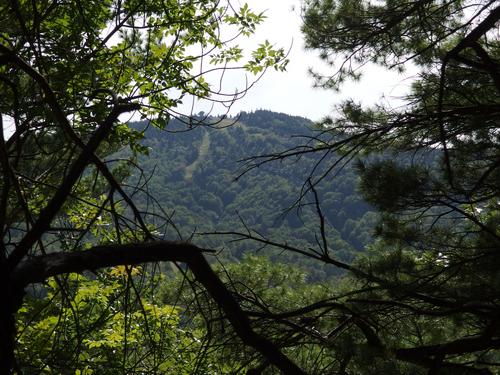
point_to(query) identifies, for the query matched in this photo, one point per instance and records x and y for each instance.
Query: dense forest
(366, 243)
(200, 177)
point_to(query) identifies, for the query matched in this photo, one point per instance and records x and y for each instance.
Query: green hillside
(193, 175)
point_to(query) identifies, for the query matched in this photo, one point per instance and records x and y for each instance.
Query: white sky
(292, 92)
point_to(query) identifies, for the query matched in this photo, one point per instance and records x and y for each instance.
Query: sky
(292, 92)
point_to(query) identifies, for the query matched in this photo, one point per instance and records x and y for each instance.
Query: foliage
(426, 294)
(100, 341)
(194, 175)
(424, 298)
(69, 73)
(263, 287)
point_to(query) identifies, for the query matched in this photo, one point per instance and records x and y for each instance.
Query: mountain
(193, 174)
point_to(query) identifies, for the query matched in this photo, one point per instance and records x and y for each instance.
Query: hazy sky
(292, 92)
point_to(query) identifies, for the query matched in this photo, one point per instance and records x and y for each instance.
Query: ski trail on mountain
(202, 153)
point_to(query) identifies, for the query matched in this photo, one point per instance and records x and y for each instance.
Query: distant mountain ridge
(194, 177)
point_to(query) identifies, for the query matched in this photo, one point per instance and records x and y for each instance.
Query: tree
(98, 342)
(68, 72)
(262, 286)
(426, 297)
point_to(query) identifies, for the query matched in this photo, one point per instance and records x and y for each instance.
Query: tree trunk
(7, 324)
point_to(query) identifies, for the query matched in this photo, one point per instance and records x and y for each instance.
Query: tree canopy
(423, 299)
(428, 292)
(68, 72)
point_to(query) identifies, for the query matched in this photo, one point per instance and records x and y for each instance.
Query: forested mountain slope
(193, 176)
